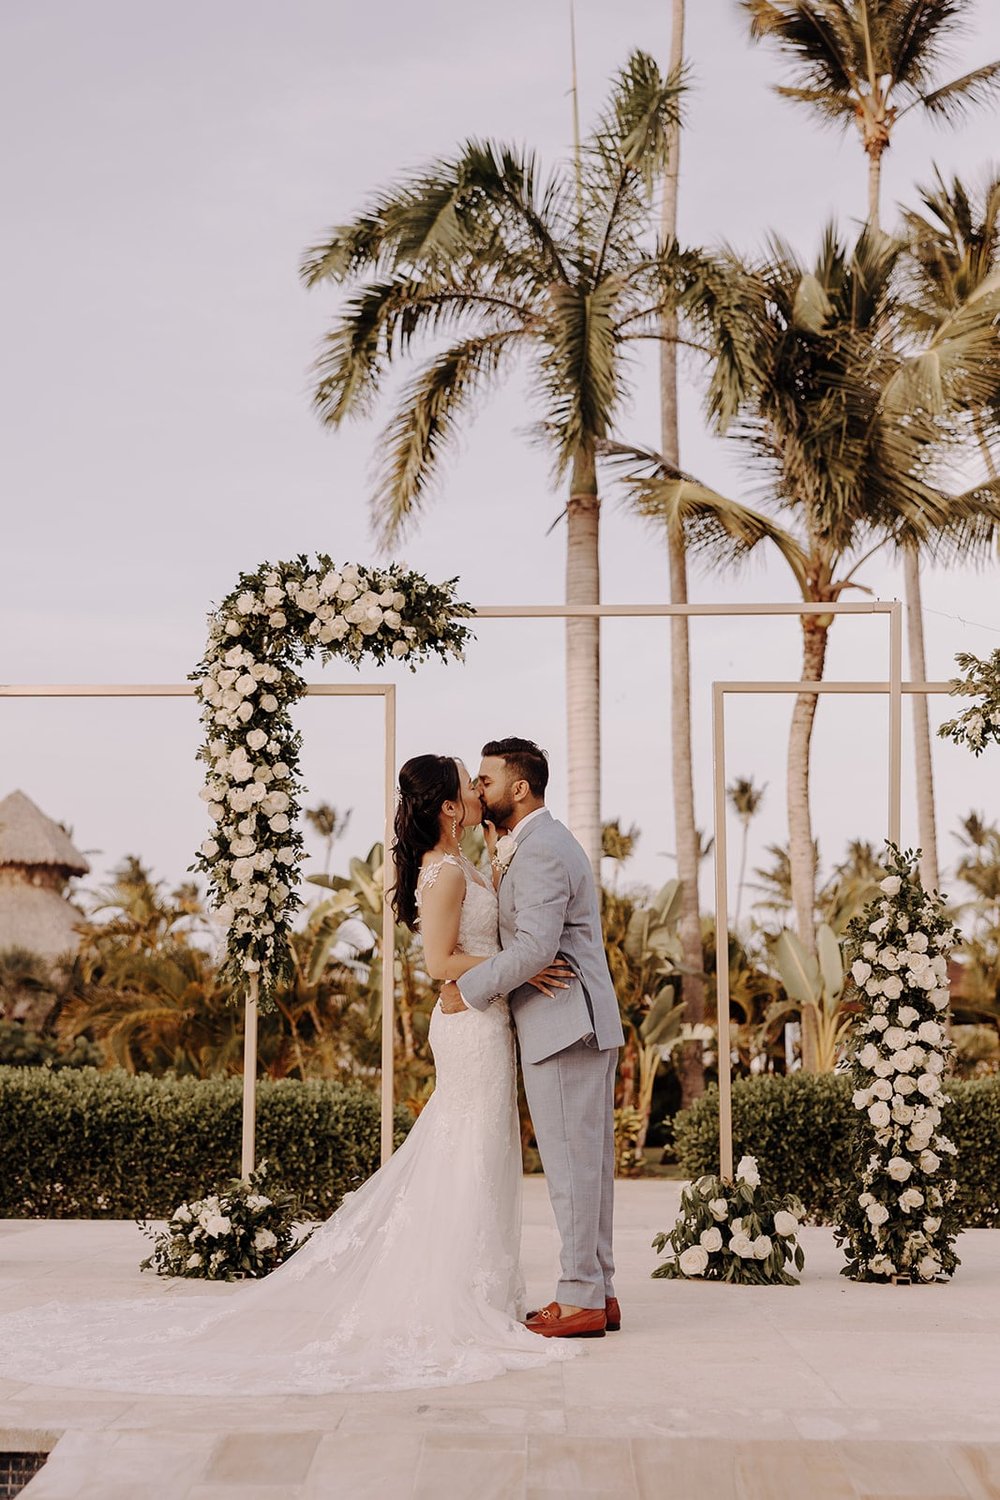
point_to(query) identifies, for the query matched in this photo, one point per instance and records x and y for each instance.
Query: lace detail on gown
(414, 1281)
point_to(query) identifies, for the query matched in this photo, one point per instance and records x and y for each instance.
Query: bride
(415, 1280)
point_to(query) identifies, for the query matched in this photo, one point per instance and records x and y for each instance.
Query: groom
(568, 1041)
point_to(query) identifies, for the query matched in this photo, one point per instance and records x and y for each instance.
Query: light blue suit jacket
(549, 906)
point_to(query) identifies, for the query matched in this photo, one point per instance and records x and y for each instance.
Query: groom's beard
(499, 814)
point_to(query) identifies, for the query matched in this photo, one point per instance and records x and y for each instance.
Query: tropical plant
(330, 824)
(514, 268)
(814, 987)
(745, 800)
(869, 63)
(846, 468)
(28, 987)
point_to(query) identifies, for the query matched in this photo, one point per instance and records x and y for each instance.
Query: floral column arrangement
(900, 1223)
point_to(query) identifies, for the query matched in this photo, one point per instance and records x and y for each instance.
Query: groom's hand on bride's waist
(451, 999)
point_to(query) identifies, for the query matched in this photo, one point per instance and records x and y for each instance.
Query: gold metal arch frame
(387, 691)
(720, 691)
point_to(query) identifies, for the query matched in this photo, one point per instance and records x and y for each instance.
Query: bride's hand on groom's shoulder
(490, 837)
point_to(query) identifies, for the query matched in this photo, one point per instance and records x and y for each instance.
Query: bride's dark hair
(425, 783)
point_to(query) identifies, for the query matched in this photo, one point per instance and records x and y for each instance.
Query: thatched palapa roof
(28, 837)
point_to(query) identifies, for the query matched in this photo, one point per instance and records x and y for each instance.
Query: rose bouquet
(899, 1222)
(241, 1231)
(733, 1231)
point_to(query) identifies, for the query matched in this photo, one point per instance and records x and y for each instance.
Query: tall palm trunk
(926, 830)
(801, 848)
(874, 187)
(692, 1072)
(583, 658)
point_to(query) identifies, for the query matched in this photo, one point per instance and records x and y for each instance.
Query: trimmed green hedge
(84, 1144)
(799, 1127)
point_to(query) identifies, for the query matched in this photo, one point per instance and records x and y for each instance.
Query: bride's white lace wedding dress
(414, 1281)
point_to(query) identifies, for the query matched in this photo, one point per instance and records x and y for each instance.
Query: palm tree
(869, 63)
(745, 799)
(842, 466)
(552, 273)
(330, 825)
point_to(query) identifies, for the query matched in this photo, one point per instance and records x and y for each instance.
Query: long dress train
(414, 1281)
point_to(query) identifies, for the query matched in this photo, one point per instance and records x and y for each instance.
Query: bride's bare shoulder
(441, 870)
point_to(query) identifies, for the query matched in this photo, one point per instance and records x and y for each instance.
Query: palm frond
(953, 100)
(580, 371)
(817, 36)
(425, 422)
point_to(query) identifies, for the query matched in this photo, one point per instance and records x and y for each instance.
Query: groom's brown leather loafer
(551, 1323)
(613, 1314)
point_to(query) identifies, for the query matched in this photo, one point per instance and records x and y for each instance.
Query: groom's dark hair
(525, 759)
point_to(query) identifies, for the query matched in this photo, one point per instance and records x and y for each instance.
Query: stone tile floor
(758, 1393)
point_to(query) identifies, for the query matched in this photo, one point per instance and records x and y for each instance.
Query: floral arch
(272, 621)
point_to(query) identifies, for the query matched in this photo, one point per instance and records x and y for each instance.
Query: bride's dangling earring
(454, 829)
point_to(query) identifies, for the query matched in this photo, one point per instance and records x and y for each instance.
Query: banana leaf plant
(814, 987)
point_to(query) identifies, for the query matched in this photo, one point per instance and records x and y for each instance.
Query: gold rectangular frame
(720, 691)
(385, 691)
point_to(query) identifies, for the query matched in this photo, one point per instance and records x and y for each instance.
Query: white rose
(225, 913)
(929, 1031)
(710, 1240)
(233, 627)
(892, 987)
(275, 802)
(881, 1089)
(269, 703)
(932, 1225)
(264, 1239)
(895, 1037)
(918, 942)
(286, 856)
(879, 926)
(747, 1171)
(902, 1061)
(939, 966)
(279, 823)
(899, 1169)
(193, 1261)
(888, 958)
(216, 1225)
(905, 1084)
(928, 1084)
(928, 1267)
(400, 648)
(210, 848)
(861, 1098)
(879, 1022)
(257, 739)
(785, 1224)
(860, 970)
(877, 1214)
(741, 1245)
(902, 1113)
(935, 1063)
(245, 712)
(939, 998)
(868, 1056)
(245, 685)
(929, 1162)
(874, 986)
(869, 950)
(693, 1261)
(879, 1114)
(911, 1198)
(890, 885)
(278, 619)
(762, 1246)
(719, 1208)
(865, 1198)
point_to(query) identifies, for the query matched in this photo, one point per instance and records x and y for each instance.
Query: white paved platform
(708, 1393)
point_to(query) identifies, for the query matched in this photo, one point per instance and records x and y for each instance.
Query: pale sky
(165, 169)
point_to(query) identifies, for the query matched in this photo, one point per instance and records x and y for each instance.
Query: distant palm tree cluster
(854, 384)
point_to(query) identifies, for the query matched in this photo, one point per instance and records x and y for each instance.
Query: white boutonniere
(504, 852)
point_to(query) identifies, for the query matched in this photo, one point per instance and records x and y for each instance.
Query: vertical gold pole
(722, 932)
(249, 1078)
(388, 927)
(895, 720)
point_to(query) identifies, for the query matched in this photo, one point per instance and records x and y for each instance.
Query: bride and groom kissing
(415, 1280)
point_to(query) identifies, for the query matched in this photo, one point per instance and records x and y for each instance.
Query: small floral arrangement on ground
(241, 1231)
(899, 1222)
(979, 725)
(247, 682)
(733, 1231)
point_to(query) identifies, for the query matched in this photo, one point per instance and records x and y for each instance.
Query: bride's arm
(440, 915)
